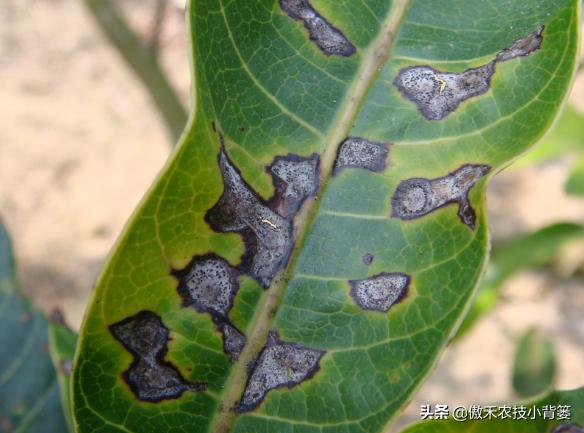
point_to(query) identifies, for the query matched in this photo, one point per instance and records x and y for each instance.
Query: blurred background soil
(80, 144)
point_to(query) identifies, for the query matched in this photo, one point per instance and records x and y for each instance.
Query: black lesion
(150, 376)
(417, 197)
(268, 236)
(329, 39)
(280, 364)
(266, 226)
(357, 152)
(437, 93)
(209, 283)
(368, 259)
(233, 341)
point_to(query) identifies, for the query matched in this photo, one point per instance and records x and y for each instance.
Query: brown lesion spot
(150, 376)
(357, 152)
(437, 94)
(329, 39)
(280, 364)
(417, 197)
(380, 292)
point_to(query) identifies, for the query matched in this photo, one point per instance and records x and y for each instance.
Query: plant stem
(142, 61)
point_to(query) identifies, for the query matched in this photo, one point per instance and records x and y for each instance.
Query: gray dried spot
(380, 292)
(568, 428)
(437, 94)
(522, 47)
(233, 341)
(417, 197)
(268, 235)
(368, 259)
(279, 364)
(361, 153)
(208, 284)
(150, 377)
(296, 179)
(329, 39)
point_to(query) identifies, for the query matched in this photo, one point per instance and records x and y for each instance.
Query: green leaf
(575, 183)
(566, 403)
(6, 256)
(29, 392)
(531, 250)
(62, 343)
(326, 205)
(534, 366)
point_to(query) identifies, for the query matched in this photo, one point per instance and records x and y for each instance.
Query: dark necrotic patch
(295, 179)
(568, 428)
(268, 235)
(279, 365)
(522, 47)
(417, 197)
(368, 259)
(267, 227)
(437, 94)
(233, 341)
(361, 153)
(208, 284)
(380, 292)
(329, 39)
(150, 377)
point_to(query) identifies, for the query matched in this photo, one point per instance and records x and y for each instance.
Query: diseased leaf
(527, 251)
(29, 393)
(62, 343)
(534, 366)
(319, 232)
(558, 412)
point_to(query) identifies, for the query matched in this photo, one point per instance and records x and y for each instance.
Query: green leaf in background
(575, 183)
(29, 392)
(319, 232)
(527, 251)
(562, 404)
(62, 343)
(534, 365)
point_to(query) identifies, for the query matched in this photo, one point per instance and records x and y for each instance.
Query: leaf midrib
(374, 58)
